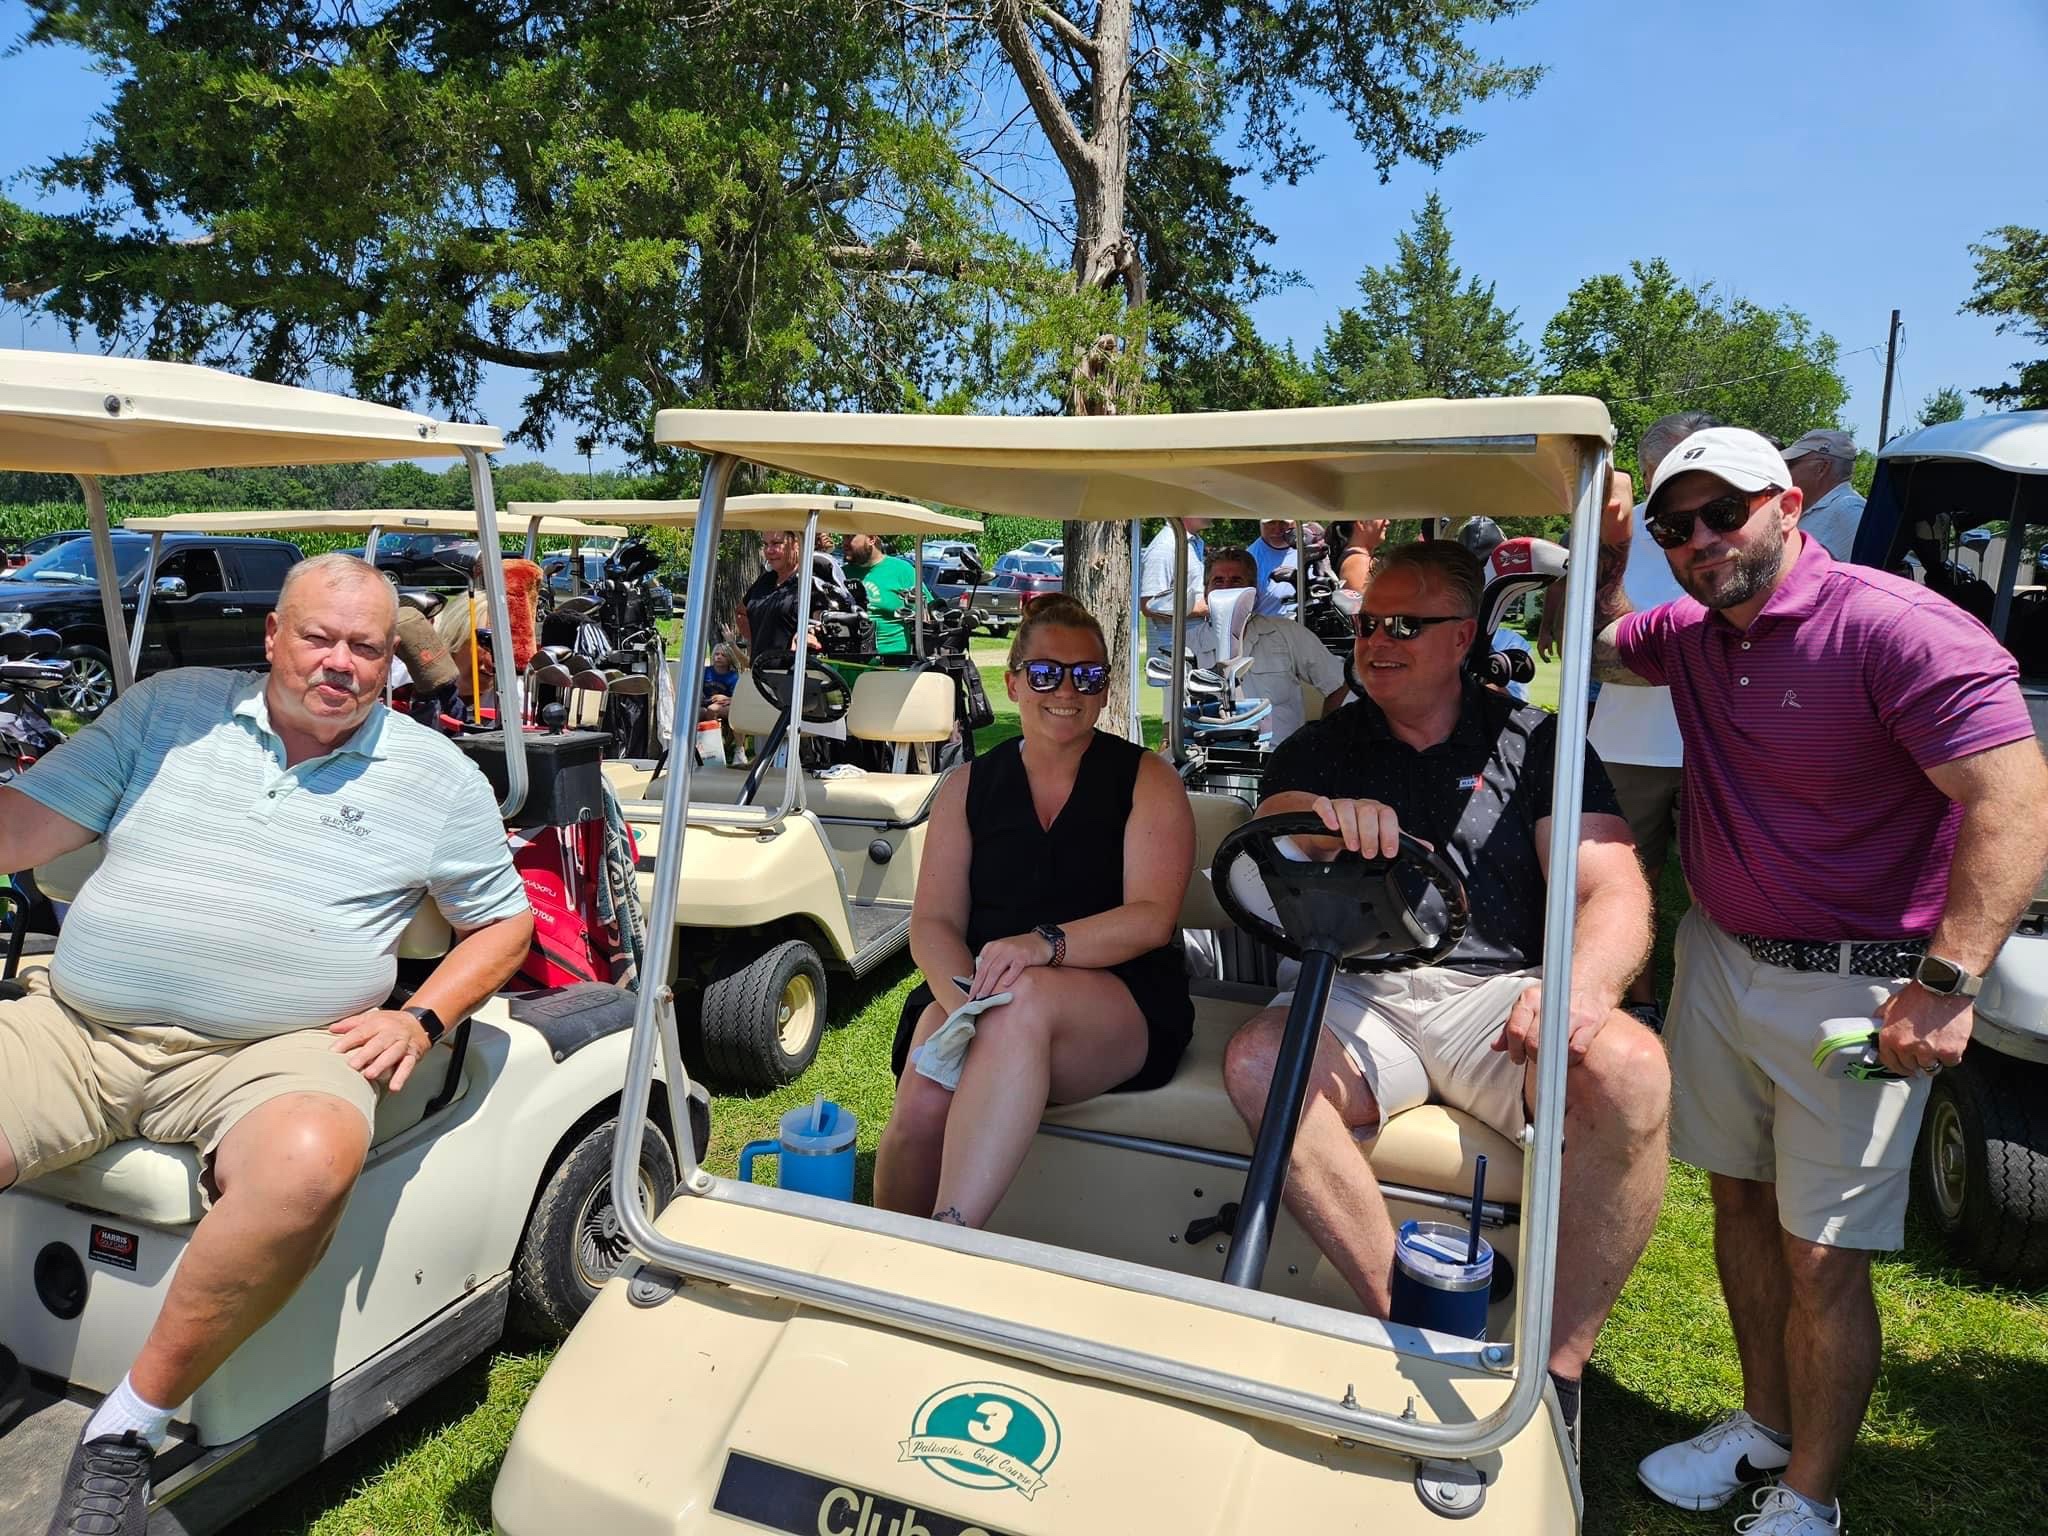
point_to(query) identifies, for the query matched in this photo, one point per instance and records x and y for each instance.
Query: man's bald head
(308, 579)
(329, 644)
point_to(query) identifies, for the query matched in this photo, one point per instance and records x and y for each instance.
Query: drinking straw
(817, 1113)
(1478, 1194)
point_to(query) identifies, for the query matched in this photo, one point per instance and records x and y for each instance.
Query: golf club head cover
(1229, 613)
(522, 603)
(424, 653)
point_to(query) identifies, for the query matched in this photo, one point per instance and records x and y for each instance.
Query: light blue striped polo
(239, 898)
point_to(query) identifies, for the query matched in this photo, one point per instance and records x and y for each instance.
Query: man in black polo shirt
(1469, 771)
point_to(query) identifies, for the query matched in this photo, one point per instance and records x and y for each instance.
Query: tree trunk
(1098, 555)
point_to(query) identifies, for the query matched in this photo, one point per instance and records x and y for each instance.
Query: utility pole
(1891, 363)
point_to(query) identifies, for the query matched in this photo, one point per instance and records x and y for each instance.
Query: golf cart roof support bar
(1134, 636)
(1544, 1159)
(655, 966)
(1176, 690)
(533, 538)
(2009, 568)
(110, 582)
(792, 736)
(501, 631)
(156, 550)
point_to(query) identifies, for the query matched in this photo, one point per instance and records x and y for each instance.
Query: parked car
(947, 551)
(1051, 549)
(207, 609)
(439, 560)
(20, 552)
(1033, 579)
(1034, 557)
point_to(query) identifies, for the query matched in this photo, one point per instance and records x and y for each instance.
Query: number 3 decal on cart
(991, 1421)
(984, 1434)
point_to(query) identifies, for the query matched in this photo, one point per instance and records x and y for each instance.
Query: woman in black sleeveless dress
(1054, 870)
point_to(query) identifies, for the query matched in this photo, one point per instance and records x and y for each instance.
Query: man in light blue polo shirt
(221, 978)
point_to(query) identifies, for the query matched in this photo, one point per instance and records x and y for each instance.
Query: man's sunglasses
(1724, 514)
(1403, 626)
(1046, 676)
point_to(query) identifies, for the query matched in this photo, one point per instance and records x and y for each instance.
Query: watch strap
(430, 1021)
(1056, 936)
(1965, 984)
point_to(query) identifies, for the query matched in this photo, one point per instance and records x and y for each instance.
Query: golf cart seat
(153, 1182)
(906, 710)
(1432, 1147)
(750, 714)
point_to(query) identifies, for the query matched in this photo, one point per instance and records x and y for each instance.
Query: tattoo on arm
(1608, 667)
(1610, 602)
(950, 1214)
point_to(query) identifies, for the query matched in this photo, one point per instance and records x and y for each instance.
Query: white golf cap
(1737, 455)
(1836, 444)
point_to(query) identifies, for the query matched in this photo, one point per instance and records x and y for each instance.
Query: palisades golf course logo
(984, 1434)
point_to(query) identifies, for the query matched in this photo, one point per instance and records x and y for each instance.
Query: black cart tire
(91, 688)
(1980, 1169)
(573, 1240)
(763, 1018)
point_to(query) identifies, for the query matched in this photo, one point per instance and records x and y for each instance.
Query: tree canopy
(2012, 288)
(1649, 344)
(1422, 328)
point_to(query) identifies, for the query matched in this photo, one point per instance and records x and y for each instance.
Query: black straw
(1478, 1195)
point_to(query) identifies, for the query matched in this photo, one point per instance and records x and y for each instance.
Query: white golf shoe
(1781, 1512)
(1708, 1470)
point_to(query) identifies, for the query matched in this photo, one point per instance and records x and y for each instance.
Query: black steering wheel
(826, 694)
(1352, 907)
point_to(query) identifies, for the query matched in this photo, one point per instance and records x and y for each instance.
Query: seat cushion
(876, 797)
(719, 786)
(157, 1183)
(1433, 1147)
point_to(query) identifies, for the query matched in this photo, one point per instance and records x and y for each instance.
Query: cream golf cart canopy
(769, 513)
(67, 413)
(2014, 441)
(1417, 458)
(395, 520)
(76, 414)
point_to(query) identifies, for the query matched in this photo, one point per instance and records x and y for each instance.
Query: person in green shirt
(892, 584)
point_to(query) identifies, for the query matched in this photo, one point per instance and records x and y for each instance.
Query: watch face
(1939, 975)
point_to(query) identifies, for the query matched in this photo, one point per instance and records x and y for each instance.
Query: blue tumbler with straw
(814, 1154)
(1443, 1273)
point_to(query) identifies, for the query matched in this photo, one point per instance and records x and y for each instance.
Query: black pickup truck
(207, 609)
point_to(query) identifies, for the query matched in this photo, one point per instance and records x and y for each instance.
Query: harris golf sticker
(984, 1434)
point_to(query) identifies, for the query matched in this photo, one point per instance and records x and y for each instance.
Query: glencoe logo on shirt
(350, 821)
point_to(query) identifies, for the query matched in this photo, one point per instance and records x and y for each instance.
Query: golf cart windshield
(1963, 507)
(1532, 457)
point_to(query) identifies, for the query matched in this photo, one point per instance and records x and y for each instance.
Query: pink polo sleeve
(1943, 686)
(1641, 639)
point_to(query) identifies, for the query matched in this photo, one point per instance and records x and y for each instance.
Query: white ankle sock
(123, 1409)
(1830, 1511)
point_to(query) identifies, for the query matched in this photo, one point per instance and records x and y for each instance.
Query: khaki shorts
(1649, 799)
(1748, 1102)
(1427, 1035)
(69, 1086)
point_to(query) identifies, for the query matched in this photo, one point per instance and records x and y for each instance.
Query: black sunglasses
(1046, 676)
(1404, 626)
(1724, 514)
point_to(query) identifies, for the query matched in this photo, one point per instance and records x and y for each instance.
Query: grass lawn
(1954, 1445)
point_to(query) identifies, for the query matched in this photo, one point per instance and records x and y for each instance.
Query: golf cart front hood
(718, 1409)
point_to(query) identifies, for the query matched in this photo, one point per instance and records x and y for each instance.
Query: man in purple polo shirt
(1866, 815)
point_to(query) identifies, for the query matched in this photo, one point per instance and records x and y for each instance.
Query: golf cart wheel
(91, 688)
(1981, 1167)
(763, 1018)
(573, 1240)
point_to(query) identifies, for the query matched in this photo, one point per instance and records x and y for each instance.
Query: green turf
(1955, 1444)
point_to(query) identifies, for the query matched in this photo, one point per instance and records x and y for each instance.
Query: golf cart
(777, 1360)
(1980, 1172)
(486, 1194)
(794, 876)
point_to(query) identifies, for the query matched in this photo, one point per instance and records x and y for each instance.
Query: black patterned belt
(1880, 957)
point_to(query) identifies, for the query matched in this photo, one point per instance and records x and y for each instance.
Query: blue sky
(1837, 157)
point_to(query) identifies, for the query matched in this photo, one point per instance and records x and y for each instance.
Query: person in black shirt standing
(1468, 770)
(767, 616)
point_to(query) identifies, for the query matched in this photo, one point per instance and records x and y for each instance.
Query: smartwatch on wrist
(1944, 978)
(430, 1021)
(1056, 936)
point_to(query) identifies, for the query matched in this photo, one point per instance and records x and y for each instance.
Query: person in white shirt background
(1155, 593)
(1272, 553)
(1635, 730)
(1285, 655)
(1821, 463)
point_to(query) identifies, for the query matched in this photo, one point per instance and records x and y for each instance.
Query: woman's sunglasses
(1724, 514)
(1403, 626)
(1046, 676)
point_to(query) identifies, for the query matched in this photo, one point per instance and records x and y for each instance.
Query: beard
(1748, 575)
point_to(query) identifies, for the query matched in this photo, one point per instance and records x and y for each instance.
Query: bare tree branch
(1014, 34)
(1057, 20)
